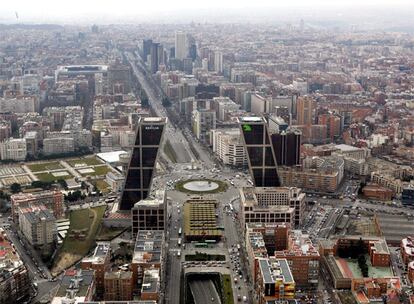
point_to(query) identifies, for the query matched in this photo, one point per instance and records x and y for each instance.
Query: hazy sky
(72, 9)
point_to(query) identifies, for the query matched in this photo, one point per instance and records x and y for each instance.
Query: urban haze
(222, 152)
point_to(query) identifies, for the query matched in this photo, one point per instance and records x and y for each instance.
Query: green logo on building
(247, 128)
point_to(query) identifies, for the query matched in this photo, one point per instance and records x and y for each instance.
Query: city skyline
(183, 11)
(223, 152)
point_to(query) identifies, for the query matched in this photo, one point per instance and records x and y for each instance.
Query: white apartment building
(387, 181)
(14, 149)
(203, 121)
(127, 139)
(356, 166)
(224, 106)
(228, 146)
(25, 104)
(37, 224)
(58, 145)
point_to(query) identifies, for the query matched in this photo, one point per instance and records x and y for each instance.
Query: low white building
(115, 181)
(13, 149)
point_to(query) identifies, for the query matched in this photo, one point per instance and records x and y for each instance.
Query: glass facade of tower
(260, 155)
(143, 159)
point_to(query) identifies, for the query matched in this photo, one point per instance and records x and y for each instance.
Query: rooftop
(200, 218)
(77, 281)
(148, 247)
(347, 148)
(274, 270)
(101, 252)
(151, 280)
(36, 214)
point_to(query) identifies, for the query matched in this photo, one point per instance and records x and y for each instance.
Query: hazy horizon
(184, 11)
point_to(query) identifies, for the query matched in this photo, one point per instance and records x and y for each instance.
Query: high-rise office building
(305, 108)
(180, 45)
(218, 62)
(193, 51)
(260, 155)
(154, 57)
(143, 159)
(146, 48)
(286, 145)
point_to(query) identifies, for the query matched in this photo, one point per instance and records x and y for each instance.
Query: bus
(180, 231)
(201, 245)
(210, 241)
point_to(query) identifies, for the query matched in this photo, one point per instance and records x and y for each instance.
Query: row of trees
(16, 187)
(362, 263)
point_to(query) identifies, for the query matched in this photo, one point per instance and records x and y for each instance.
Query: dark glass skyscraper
(143, 159)
(146, 48)
(154, 57)
(260, 155)
(286, 145)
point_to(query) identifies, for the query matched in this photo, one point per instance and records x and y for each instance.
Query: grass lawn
(228, 291)
(98, 170)
(44, 166)
(48, 177)
(89, 161)
(108, 233)
(74, 249)
(102, 185)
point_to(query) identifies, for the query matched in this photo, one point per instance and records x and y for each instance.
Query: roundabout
(200, 186)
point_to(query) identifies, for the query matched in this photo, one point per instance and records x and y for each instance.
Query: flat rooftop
(251, 119)
(347, 148)
(153, 120)
(148, 247)
(200, 219)
(275, 269)
(151, 280)
(102, 249)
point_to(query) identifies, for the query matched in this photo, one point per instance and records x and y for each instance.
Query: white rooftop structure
(111, 157)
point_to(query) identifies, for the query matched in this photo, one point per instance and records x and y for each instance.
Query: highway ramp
(204, 292)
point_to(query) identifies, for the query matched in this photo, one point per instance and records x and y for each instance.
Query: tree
(43, 185)
(4, 195)
(361, 186)
(15, 188)
(73, 196)
(63, 183)
(362, 263)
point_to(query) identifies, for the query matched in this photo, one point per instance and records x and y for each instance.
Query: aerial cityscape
(197, 160)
